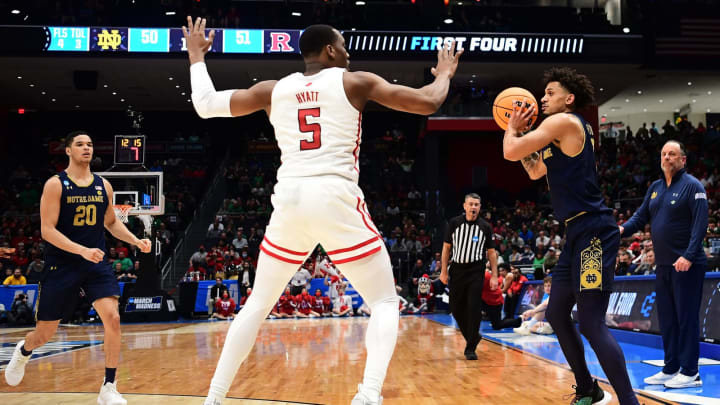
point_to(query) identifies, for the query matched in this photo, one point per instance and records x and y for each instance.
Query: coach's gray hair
(472, 195)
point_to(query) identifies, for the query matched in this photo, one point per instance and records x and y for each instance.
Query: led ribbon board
(478, 46)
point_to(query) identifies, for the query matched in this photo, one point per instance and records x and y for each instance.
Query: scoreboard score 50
(129, 149)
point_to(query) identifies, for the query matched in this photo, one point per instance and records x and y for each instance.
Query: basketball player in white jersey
(317, 120)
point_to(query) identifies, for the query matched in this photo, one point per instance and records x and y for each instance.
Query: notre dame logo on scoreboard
(109, 39)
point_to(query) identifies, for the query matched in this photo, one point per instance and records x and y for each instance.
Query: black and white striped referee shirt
(470, 240)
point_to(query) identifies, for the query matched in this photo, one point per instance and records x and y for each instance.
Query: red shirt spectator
(225, 306)
(320, 304)
(287, 303)
(197, 273)
(491, 297)
(304, 303)
(121, 248)
(517, 283)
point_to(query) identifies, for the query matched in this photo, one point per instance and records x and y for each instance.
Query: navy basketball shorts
(61, 282)
(588, 257)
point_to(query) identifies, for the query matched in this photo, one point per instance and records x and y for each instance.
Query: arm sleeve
(699, 208)
(208, 103)
(640, 217)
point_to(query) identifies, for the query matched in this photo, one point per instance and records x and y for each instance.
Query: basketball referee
(468, 243)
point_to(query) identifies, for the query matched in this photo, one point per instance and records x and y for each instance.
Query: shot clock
(129, 149)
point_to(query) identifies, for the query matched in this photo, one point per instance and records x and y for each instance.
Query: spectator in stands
(214, 231)
(300, 280)
(526, 234)
(199, 257)
(343, 304)
(120, 247)
(20, 259)
(196, 273)
(216, 293)
(624, 267)
(112, 255)
(36, 265)
(551, 259)
(435, 264)
(515, 256)
(417, 272)
(517, 241)
(287, 304)
(527, 256)
(16, 279)
(126, 263)
(321, 304)
(21, 313)
(304, 305)
(412, 245)
(240, 242)
(647, 265)
(35, 270)
(541, 241)
(247, 275)
(512, 294)
(224, 307)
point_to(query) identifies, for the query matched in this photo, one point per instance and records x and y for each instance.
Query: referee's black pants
(466, 284)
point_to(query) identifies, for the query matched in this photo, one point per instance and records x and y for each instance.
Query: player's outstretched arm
(118, 229)
(49, 214)
(425, 100)
(208, 102)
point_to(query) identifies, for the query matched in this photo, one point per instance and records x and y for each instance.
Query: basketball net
(122, 212)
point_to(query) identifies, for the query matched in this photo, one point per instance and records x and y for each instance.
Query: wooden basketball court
(313, 361)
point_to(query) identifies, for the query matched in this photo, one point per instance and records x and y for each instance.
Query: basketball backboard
(142, 190)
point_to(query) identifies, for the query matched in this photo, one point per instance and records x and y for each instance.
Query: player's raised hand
(92, 255)
(521, 117)
(144, 245)
(448, 58)
(5, 253)
(197, 44)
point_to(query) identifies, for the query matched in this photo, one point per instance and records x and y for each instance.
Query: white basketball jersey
(317, 129)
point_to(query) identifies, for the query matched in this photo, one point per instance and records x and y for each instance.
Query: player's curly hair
(574, 82)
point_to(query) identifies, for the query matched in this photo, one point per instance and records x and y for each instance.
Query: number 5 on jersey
(313, 127)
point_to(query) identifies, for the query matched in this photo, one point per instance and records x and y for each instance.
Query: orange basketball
(504, 102)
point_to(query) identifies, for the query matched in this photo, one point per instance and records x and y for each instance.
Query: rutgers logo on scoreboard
(287, 41)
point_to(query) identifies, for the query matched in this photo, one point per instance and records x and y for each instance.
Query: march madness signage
(140, 304)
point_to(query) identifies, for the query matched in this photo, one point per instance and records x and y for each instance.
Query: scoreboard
(481, 46)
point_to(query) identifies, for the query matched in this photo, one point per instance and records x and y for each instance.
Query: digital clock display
(130, 149)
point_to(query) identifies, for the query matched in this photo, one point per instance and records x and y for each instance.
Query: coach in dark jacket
(677, 209)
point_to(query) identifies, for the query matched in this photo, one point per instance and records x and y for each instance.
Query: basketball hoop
(122, 211)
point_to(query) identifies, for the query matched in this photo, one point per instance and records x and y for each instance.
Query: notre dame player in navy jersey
(561, 148)
(75, 210)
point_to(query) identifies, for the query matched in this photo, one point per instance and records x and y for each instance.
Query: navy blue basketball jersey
(82, 215)
(573, 179)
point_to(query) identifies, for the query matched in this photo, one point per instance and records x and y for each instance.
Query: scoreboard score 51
(129, 149)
